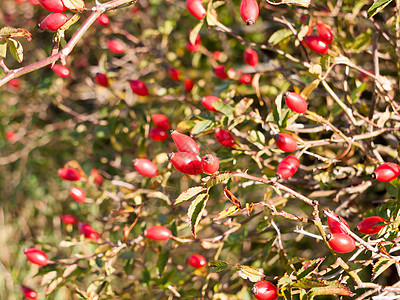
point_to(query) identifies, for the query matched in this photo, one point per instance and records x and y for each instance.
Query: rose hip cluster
(57, 18)
(319, 43)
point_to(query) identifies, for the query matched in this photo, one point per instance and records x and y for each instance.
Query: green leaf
(71, 21)
(146, 277)
(226, 213)
(332, 288)
(309, 267)
(308, 283)
(249, 273)
(381, 266)
(377, 7)
(189, 193)
(279, 35)
(195, 32)
(201, 126)
(12, 32)
(16, 50)
(195, 211)
(3, 48)
(162, 262)
(223, 108)
(393, 188)
(215, 179)
(305, 93)
(217, 265)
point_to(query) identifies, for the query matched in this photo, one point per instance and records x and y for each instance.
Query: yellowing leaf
(226, 213)
(74, 4)
(249, 273)
(189, 193)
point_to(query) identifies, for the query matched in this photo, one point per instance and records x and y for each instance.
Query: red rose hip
(29, 293)
(53, 21)
(186, 163)
(56, 6)
(334, 225)
(69, 174)
(161, 121)
(386, 172)
(220, 72)
(115, 46)
(69, 219)
(250, 57)
(287, 167)
(196, 8)
(61, 71)
(98, 179)
(249, 11)
(101, 79)
(285, 142)
(185, 143)
(264, 290)
(316, 44)
(139, 87)
(158, 134)
(341, 243)
(78, 194)
(369, 225)
(145, 167)
(36, 256)
(324, 33)
(208, 102)
(173, 73)
(296, 102)
(224, 137)
(158, 233)
(245, 79)
(197, 261)
(88, 231)
(188, 83)
(210, 164)
(103, 20)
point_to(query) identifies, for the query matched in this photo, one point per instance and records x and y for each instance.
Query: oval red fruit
(316, 44)
(186, 163)
(245, 79)
(69, 174)
(296, 102)
(208, 101)
(210, 164)
(173, 73)
(288, 167)
(77, 194)
(14, 83)
(98, 179)
(264, 290)
(139, 87)
(88, 231)
(224, 137)
(103, 20)
(161, 121)
(56, 6)
(53, 21)
(115, 46)
(101, 79)
(61, 71)
(324, 33)
(185, 143)
(285, 142)
(158, 134)
(36, 256)
(11, 136)
(158, 233)
(145, 167)
(368, 225)
(386, 172)
(197, 261)
(334, 225)
(194, 47)
(341, 243)
(69, 219)
(220, 72)
(249, 11)
(188, 83)
(196, 8)
(250, 57)
(29, 293)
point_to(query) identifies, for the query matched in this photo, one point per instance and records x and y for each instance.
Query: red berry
(210, 164)
(249, 11)
(145, 167)
(188, 83)
(208, 101)
(173, 73)
(14, 83)
(38, 257)
(368, 225)
(115, 46)
(197, 261)
(158, 233)
(386, 172)
(217, 55)
(264, 290)
(341, 243)
(101, 79)
(88, 231)
(69, 219)
(11, 136)
(77, 194)
(196, 46)
(296, 102)
(195, 7)
(29, 293)
(158, 134)
(186, 163)
(250, 57)
(245, 79)
(161, 121)
(220, 72)
(224, 137)
(285, 142)
(316, 44)
(139, 87)
(334, 225)
(185, 143)
(56, 6)
(103, 20)
(98, 179)
(288, 167)
(324, 33)
(61, 71)
(53, 21)
(69, 174)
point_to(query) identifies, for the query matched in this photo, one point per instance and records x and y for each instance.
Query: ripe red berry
(77, 194)
(14, 83)
(386, 172)
(115, 46)
(324, 33)
(224, 137)
(210, 164)
(245, 79)
(173, 73)
(186, 163)
(296, 102)
(101, 79)
(158, 233)
(250, 57)
(139, 87)
(56, 6)
(195, 7)
(188, 83)
(11, 136)
(194, 47)
(285, 142)
(368, 225)
(316, 44)
(145, 167)
(249, 11)
(158, 134)
(161, 121)
(88, 231)
(98, 179)
(38, 257)
(217, 55)
(208, 101)
(197, 261)
(185, 143)
(69, 174)
(69, 219)
(334, 225)
(61, 71)
(341, 243)
(29, 293)
(103, 20)
(53, 21)
(264, 290)
(287, 167)
(220, 72)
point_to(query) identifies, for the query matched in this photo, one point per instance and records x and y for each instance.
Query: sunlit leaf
(189, 193)
(217, 265)
(195, 211)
